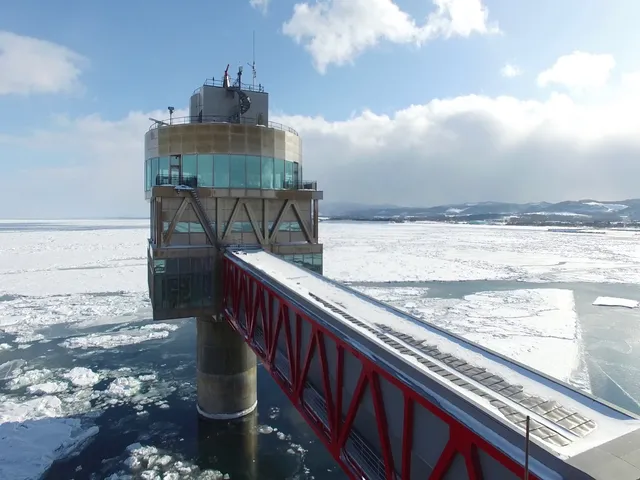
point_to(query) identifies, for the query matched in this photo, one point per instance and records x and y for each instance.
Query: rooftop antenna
(159, 122)
(253, 62)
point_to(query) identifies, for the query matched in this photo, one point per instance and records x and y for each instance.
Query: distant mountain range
(568, 212)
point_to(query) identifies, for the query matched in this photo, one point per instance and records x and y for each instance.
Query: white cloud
(468, 148)
(336, 31)
(262, 5)
(510, 71)
(29, 65)
(579, 70)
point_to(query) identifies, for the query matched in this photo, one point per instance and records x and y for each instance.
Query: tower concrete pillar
(226, 371)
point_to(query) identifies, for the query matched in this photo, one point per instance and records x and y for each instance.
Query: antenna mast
(253, 62)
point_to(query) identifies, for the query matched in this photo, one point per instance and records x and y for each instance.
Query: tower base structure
(226, 372)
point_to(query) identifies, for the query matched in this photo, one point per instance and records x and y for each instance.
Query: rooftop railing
(189, 180)
(212, 82)
(218, 119)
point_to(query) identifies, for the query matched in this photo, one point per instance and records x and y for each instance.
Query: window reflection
(223, 171)
(278, 173)
(253, 171)
(205, 170)
(182, 283)
(267, 172)
(310, 261)
(288, 174)
(237, 171)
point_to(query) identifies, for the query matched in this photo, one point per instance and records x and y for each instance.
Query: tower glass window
(253, 171)
(205, 170)
(278, 173)
(221, 171)
(237, 165)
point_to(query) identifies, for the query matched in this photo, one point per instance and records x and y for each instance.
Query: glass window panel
(172, 265)
(221, 171)
(207, 299)
(159, 266)
(288, 174)
(253, 171)
(185, 290)
(295, 227)
(195, 227)
(184, 265)
(196, 290)
(154, 171)
(161, 169)
(296, 178)
(205, 170)
(284, 227)
(267, 172)
(278, 173)
(316, 258)
(182, 227)
(189, 169)
(237, 171)
(147, 174)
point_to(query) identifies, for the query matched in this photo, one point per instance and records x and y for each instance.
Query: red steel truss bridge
(392, 397)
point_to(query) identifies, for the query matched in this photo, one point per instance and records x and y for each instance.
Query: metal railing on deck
(192, 181)
(219, 119)
(212, 82)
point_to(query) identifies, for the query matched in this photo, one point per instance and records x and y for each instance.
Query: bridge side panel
(373, 424)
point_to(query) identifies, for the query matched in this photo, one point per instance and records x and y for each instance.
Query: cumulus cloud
(337, 31)
(467, 148)
(510, 71)
(29, 65)
(262, 5)
(579, 70)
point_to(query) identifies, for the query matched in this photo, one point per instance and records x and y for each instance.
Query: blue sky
(141, 57)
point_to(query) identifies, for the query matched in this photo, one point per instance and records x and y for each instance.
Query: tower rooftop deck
(170, 122)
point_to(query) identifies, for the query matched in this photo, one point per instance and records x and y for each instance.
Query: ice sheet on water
(53, 415)
(148, 462)
(375, 252)
(26, 316)
(124, 336)
(82, 377)
(615, 302)
(33, 434)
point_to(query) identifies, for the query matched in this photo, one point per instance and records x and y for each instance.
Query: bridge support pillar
(226, 371)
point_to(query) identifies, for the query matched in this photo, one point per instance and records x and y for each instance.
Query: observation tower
(223, 176)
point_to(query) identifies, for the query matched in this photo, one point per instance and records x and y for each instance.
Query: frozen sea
(91, 388)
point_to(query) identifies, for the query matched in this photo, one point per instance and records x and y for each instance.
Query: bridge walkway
(393, 397)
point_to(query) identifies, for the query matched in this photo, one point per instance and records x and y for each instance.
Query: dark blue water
(237, 448)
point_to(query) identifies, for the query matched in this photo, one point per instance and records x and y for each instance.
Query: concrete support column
(226, 371)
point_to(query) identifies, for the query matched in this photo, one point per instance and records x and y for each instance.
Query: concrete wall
(223, 138)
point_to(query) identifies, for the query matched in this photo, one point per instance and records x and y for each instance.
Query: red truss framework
(242, 285)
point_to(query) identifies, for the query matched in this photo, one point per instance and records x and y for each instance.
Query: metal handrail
(169, 122)
(190, 180)
(212, 82)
